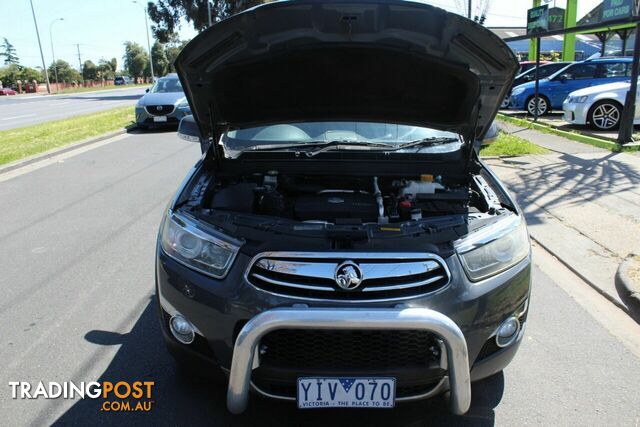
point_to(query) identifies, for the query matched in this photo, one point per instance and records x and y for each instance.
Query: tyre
(605, 115)
(505, 103)
(543, 105)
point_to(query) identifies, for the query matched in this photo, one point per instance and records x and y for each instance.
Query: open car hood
(365, 60)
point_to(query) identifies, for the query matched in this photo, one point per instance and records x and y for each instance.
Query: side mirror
(147, 90)
(491, 134)
(188, 129)
(562, 78)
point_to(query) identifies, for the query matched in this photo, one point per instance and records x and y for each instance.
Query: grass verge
(511, 145)
(26, 141)
(572, 135)
(98, 88)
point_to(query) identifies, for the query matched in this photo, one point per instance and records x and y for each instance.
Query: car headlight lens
(183, 104)
(491, 251)
(208, 252)
(517, 91)
(578, 99)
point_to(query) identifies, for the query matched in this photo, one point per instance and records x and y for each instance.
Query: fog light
(182, 329)
(508, 332)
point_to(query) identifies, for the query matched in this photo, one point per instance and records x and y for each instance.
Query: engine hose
(378, 194)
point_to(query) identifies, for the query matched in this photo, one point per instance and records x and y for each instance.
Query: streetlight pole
(44, 66)
(53, 54)
(146, 23)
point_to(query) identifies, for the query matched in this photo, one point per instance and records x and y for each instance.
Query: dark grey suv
(340, 244)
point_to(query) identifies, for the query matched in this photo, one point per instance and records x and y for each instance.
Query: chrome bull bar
(350, 318)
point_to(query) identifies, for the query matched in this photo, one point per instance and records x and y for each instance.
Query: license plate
(346, 392)
(160, 119)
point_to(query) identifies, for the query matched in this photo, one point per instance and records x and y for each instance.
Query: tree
(89, 70)
(10, 74)
(105, 69)
(66, 73)
(28, 74)
(9, 53)
(159, 58)
(135, 59)
(173, 50)
(167, 14)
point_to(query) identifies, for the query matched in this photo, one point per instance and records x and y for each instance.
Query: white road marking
(58, 158)
(18, 117)
(617, 322)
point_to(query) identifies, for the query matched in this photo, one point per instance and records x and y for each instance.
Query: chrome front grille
(314, 275)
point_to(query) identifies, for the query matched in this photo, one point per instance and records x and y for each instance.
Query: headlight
(517, 91)
(183, 104)
(577, 99)
(208, 252)
(491, 251)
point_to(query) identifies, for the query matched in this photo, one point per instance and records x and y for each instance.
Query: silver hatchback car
(163, 104)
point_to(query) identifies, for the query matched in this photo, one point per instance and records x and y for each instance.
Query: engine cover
(329, 206)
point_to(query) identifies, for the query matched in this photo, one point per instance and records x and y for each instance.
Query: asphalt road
(78, 235)
(18, 111)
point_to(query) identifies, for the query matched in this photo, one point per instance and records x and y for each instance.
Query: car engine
(340, 199)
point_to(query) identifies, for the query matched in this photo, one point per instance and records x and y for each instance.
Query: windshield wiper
(425, 142)
(329, 145)
(311, 144)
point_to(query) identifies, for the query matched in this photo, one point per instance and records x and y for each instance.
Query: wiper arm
(312, 144)
(426, 142)
(338, 143)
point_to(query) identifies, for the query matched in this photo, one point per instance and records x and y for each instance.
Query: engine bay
(348, 200)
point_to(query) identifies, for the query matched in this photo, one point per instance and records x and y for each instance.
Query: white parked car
(598, 106)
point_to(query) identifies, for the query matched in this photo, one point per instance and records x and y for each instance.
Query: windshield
(560, 71)
(366, 135)
(166, 86)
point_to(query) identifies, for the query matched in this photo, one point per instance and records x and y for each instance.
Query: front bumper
(576, 113)
(231, 315)
(517, 102)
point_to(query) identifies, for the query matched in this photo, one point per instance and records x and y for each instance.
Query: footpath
(582, 204)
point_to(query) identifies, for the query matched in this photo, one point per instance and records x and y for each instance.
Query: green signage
(616, 9)
(556, 18)
(538, 19)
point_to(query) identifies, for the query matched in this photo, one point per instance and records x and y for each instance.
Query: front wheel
(543, 105)
(505, 103)
(605, 115)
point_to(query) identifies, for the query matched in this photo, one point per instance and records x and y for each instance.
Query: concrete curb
(625, 285)
(575, 271)
(585, 139)
(48, 154)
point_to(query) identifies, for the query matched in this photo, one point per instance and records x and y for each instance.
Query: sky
(101, 28)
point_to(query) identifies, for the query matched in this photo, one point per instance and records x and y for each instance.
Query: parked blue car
(556, 88)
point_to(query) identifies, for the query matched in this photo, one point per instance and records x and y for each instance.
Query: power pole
(469, 9)
(79, 59)
(146, 24)
(209, 11)
(44, 65)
